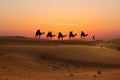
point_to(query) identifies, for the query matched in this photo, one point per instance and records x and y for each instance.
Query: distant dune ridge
(24, 58)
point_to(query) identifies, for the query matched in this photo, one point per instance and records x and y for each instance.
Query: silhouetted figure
(49, 35)
(39, 33)
(72, 35)
(94, 37)
(60, 35)
(83, 34)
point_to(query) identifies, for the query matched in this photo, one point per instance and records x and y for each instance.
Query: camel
(60, 35)
(49, 35)
(83, 34)
(38, 33)
(71, 35)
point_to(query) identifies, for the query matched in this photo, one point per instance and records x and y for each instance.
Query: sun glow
(95, 17)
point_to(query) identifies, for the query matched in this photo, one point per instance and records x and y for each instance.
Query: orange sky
(23, 17)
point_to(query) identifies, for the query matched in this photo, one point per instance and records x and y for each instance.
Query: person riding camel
(49, 35)
(83, 34)
(39, 33)
(60, 35)
(71, 34)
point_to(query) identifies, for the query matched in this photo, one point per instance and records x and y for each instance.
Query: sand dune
(73, 53)
(8, 40)
(38, 59)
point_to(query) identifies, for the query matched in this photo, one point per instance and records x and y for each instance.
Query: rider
(60, 35)
(38, 32)
(49, 34)
(71, 33)
(82, 33)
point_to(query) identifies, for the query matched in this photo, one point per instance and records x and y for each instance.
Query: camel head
(53, 35)
(75, 34)
(64, 35)
(86, 34)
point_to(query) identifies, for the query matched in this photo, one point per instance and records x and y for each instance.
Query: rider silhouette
(71, 33)
(60, 35)
(39, 33)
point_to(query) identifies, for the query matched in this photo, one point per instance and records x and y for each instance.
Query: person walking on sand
(93, 37)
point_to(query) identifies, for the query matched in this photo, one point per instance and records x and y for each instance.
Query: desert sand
(24, 58)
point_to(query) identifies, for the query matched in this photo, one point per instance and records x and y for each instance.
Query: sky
(95, 17)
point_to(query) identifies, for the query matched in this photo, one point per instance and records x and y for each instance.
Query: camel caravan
(50, 35)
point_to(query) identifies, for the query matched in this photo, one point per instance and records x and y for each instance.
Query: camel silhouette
(71, 35)
(39, 33)
(83, 35)
(49, 35)
(61, 36)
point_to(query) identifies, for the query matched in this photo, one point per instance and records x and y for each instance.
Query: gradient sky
(23, 17)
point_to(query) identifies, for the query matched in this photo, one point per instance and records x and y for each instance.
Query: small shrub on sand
(77, 66)
(43, 57)
(119, 48)
(61, 65)
(99, 72)
(94, 76)
(71, 75)
(66, 66)
(6, 79)
(1, 53)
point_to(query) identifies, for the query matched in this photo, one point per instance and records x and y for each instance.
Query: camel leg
(74, 36)
(70, 37)
(35, 36)
(81, 36)
(50, 38)
(39, 36)
(58, 37)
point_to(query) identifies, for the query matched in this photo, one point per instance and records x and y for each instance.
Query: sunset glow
(95, 17)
